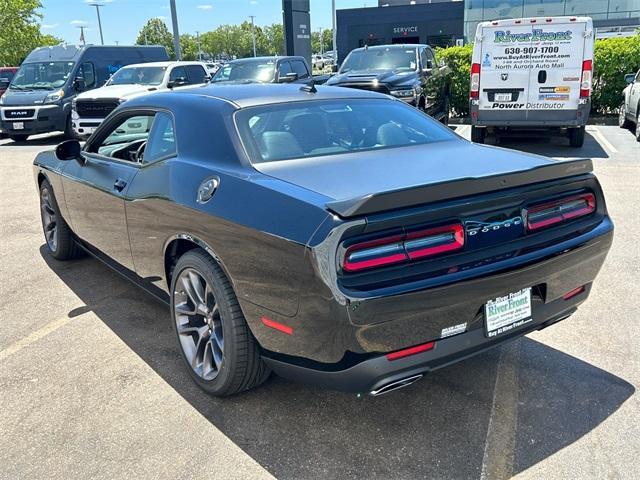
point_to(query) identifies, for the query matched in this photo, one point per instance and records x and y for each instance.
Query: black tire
(65, 246)
(623, 121)
(242, 367)
(445, 117)
(478, 135)
(69, 134)
(638, 124)
(19, 138)
(576, 137)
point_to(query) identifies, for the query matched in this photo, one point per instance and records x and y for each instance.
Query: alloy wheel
(49, 220)
(199, 324)
(622, 116)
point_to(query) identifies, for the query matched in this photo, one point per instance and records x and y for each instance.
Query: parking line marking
(499, 448)
(603, 140)
(34, 337)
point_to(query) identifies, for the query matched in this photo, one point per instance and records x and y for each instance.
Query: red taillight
(410, 351)
(558, 211)
(587, 76)
(403, 247)
(277, 326)
(474, 89)
(573, 293)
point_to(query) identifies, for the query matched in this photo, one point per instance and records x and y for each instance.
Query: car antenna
(309, 87)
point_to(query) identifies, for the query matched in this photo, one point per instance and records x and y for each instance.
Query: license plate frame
(503, 97)
(18, 125)
(506, 313)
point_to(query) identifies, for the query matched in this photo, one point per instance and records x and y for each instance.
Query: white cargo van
(532, 74)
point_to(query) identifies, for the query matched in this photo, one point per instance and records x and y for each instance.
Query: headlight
(1, 100)
(403, 93)
(54, 97)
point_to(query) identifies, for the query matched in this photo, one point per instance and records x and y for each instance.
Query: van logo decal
(504, 76)
(538, 35)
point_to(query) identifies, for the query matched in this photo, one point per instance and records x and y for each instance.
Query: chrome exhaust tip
(389, 387)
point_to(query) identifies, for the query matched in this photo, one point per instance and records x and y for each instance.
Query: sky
(122, 19)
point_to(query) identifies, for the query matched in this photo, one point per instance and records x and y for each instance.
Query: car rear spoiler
(418, 195)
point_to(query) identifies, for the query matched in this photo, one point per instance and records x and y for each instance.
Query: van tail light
(558, 211)
(403, 247)
(474, 89)
(587, 76)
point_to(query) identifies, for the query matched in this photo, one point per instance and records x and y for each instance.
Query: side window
(179, 74)
(300, 68)
(196, 74)
(423, 58)
(162, 140)
(126, 141)
(430, 62)
(88, 73)
(638, 76)
(283, 69)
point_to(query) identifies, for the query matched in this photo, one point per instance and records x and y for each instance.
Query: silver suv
(630, 108)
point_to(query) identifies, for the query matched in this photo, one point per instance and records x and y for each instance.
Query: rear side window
(300, 68)
(196, 74)
(178, 73)
(161, 142)
(316, 128)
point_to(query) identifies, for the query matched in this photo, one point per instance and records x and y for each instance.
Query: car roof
(243, 96)
(264, 58)
(396, 46)
(161, 64)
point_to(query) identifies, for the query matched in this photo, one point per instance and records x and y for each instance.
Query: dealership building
(448, 22)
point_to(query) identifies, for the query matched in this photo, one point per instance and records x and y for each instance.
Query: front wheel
(216, 344)
(19, 138)
(69, 134)
(60, 241)
(623, 121)
(638, 125)
(576, 137)
(478, 135)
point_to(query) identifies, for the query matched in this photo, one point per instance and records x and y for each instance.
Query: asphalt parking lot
(91, 384)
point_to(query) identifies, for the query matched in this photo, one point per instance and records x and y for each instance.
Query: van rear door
(558, 50)
(505, 67)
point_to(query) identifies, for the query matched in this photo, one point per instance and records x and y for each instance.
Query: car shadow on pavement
(37, 141)
(437, 428)
(557, 147)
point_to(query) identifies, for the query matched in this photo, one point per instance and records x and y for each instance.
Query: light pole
(321, 43)
(98, 5)
(82, 27)
(253, 34)
(176, 33)
(198, 42)
(335, 44)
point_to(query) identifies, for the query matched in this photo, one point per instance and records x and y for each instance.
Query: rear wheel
(19, 138)
(69, 134)
(220, 352)
(623, 121)
(60, 241)
(638, 125)
(576, 136)
(478, 135)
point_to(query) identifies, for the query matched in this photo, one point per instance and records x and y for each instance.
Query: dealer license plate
(503, 314)
(18, 125)
(503, 97)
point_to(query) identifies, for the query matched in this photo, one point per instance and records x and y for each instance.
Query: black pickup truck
(282, 69)
(408, 72)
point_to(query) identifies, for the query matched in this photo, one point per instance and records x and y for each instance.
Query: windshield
(42, 75)
(138, 76)
(315, 128)
(381, 59)
(252, 71)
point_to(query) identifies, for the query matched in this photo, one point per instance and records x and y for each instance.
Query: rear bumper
(530, 118)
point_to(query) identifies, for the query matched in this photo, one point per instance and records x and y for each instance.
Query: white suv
(90, 108)
(630, 109)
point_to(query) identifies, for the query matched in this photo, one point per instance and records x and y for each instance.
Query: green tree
(322, 41)
(274, 36)
(612, 59)
(155, 32)
(188, 47)
(20, 31)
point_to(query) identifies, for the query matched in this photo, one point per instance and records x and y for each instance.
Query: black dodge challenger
(332, 235)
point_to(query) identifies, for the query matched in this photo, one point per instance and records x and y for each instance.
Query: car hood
(14, 97)
(116, 91)
(393, 78)
(345, 176)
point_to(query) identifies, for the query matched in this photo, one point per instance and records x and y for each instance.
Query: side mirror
(79, 84)
(178, 82)
(629, 77)
(4, 83)
(70, 150)
(288, 78)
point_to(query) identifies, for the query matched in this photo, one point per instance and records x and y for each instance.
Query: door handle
(119, 184)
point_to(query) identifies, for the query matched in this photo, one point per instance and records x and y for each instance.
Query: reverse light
(587, 75)
(410, 351)
(403, 247)
(558, 211)
(474, 88)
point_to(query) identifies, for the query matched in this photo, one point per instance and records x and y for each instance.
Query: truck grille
(18, 114)
(373, 88)
(96, 108)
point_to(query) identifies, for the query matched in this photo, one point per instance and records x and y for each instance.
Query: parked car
(408, 72)
(333, 235)
(212, 68)
(284, 69)
(89, 109)
(40, 95)
(6, 75)
(630, 108)
(532, 75)
(318, 62)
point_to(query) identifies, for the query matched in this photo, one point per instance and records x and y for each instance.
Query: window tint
(178, 73)
(88, 74)
(126, 139)
(300, 68)
(430, 61)
(196, 73)
(285, 131)
(283, 69)
(6, 75)
(162, 141)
